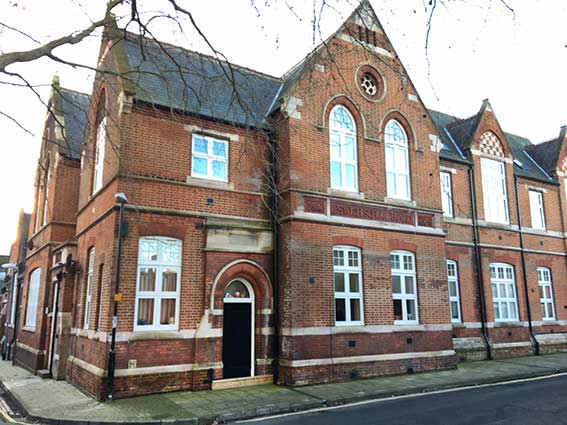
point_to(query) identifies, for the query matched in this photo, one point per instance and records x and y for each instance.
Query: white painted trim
(458, 220)
(233, 137)
(30, 349)
(365, 359)
(151, 370)
(507, 324)
(447, 169)
(549, 323)
(470, 325)
(372, 224)
(336, 330)
(95, 370)
(511, 344)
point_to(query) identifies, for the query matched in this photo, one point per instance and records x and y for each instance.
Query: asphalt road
(538, 402)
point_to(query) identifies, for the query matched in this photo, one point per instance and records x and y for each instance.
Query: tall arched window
(33, 295)
(342, 137)
(397, 162)
(100, 142)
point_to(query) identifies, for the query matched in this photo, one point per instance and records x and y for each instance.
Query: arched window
(342, 137)
(347, 277)
(404, 287)
(504, 298)
(100, 142)
(159, 279)
(89, 291)
(397, 162)
(33, 295)
(545, 293)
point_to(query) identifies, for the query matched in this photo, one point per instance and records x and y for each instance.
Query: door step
(44, 373)
(247, 381)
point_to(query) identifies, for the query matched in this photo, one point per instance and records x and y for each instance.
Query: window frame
(497, 299)
(99, 156)
(447, 193)
(158, 294)
(342, 133)
(394, 146)
(347, 294)
(46, 195)
(89, 288)
(209, 157)
(33, 298)
(454, 279)
(545, 300)
(491, 197)
(537, 209)
(403, 296)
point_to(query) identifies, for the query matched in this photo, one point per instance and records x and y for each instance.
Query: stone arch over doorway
(242, 298)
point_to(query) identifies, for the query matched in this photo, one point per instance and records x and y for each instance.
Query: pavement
(57, 402)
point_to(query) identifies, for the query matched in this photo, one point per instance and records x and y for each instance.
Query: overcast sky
(478, 49)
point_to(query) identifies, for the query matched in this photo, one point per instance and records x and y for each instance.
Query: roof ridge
(194, 52)
(74, 91)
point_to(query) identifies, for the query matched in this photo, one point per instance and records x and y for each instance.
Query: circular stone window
(370, 83)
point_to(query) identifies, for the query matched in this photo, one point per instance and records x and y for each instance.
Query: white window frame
(395, 169)
(446, 193)
(342, 134)
(157, 295)
(351, 264)
(545, 284)
(495, 194)
(14, 297)
(403, 272)
(89, 291)
(504, 294)
(537, 210)
(33, 298)
(209, 157)
(100, 145)
(453, 280)
(46, 197)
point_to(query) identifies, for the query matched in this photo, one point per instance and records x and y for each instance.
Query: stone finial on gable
(289, 105)
(436, 144)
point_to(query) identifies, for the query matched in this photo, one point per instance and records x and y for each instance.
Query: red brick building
(316, 227)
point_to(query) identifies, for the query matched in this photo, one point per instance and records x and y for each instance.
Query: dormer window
(494, 191)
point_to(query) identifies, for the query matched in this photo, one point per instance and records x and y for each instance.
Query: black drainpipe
(523, 258)
(276, 242)
(478, 263)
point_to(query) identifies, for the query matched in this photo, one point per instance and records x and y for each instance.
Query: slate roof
(456, 134)
(546, 154)
(183, 80)
(74, 106)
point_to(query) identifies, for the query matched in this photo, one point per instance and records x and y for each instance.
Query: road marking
(406, 396)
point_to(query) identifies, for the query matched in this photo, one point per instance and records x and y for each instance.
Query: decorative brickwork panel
(490, 144)
(392, 215)
(314, 205)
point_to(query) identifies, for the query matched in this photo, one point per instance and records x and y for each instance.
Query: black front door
(236, 345)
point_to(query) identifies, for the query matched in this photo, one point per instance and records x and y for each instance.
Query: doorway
(238, 330)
